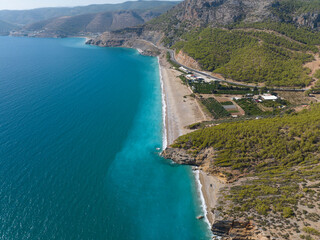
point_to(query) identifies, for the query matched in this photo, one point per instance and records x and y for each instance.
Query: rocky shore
(212, 182)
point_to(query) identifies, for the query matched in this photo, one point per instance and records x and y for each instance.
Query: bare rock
(233, 229)
(180, 156)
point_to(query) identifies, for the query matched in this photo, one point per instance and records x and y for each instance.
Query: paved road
(226, 81)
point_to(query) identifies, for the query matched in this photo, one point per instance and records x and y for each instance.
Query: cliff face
(184, 59)
(217, 13)
(222, 12)
(310, 20)
(234, 230)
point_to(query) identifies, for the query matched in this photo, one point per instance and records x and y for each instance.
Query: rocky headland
(145, 41)
(225, 229)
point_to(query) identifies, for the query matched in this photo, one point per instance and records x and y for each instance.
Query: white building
(269, 97)
(183, 69)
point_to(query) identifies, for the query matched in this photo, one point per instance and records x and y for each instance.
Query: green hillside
(266, 42)
(278, 156)
(249, 53)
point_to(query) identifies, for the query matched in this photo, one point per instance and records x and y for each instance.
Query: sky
(29, 4)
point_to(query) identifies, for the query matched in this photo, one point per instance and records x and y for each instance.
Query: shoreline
(164, 108)
(178, 112)
(202, 194)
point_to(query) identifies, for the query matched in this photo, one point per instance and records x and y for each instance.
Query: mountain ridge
(91, 23)
(118, 16)
(25, 17)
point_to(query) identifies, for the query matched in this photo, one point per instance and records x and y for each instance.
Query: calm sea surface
(79, 128)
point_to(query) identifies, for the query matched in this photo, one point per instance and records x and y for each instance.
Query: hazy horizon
(32, 4)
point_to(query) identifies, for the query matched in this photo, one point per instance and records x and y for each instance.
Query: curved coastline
(164, 109)
(175, 119)
(180, 110)
(201, 195)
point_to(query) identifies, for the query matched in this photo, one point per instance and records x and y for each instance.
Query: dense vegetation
(215, 108)
(281, 156)
(283, 141)
(250, 56)
(217, 88)
(302, 35)
(250, 107)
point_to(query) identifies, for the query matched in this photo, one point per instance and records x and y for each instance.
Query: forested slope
(274, 57)
(273, 164)
(245, 54)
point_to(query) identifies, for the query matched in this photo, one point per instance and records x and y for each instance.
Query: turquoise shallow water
(79, 128)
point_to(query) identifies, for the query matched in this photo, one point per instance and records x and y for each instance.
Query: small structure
(230, 107)
(269, 97)
(184, 69)
(191, 77)
(199, 79)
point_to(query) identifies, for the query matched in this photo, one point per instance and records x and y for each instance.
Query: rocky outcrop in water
(180, 156)
(203, 159)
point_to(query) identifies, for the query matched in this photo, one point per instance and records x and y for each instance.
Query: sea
(81, 129)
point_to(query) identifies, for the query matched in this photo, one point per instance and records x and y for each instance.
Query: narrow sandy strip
(210, 189)
(181, 111)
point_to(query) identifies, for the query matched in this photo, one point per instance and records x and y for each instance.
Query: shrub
(287, 212)
(311, 231)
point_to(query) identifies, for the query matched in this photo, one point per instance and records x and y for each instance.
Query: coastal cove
(80, 127)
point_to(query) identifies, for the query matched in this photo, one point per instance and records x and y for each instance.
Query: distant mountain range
(85, 19)
(94, 22)
(25, 17)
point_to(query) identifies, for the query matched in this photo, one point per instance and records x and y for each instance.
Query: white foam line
(164, 110)
(203, 202)
(165, 143)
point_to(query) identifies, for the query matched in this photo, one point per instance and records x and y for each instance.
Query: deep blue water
(79, 128)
